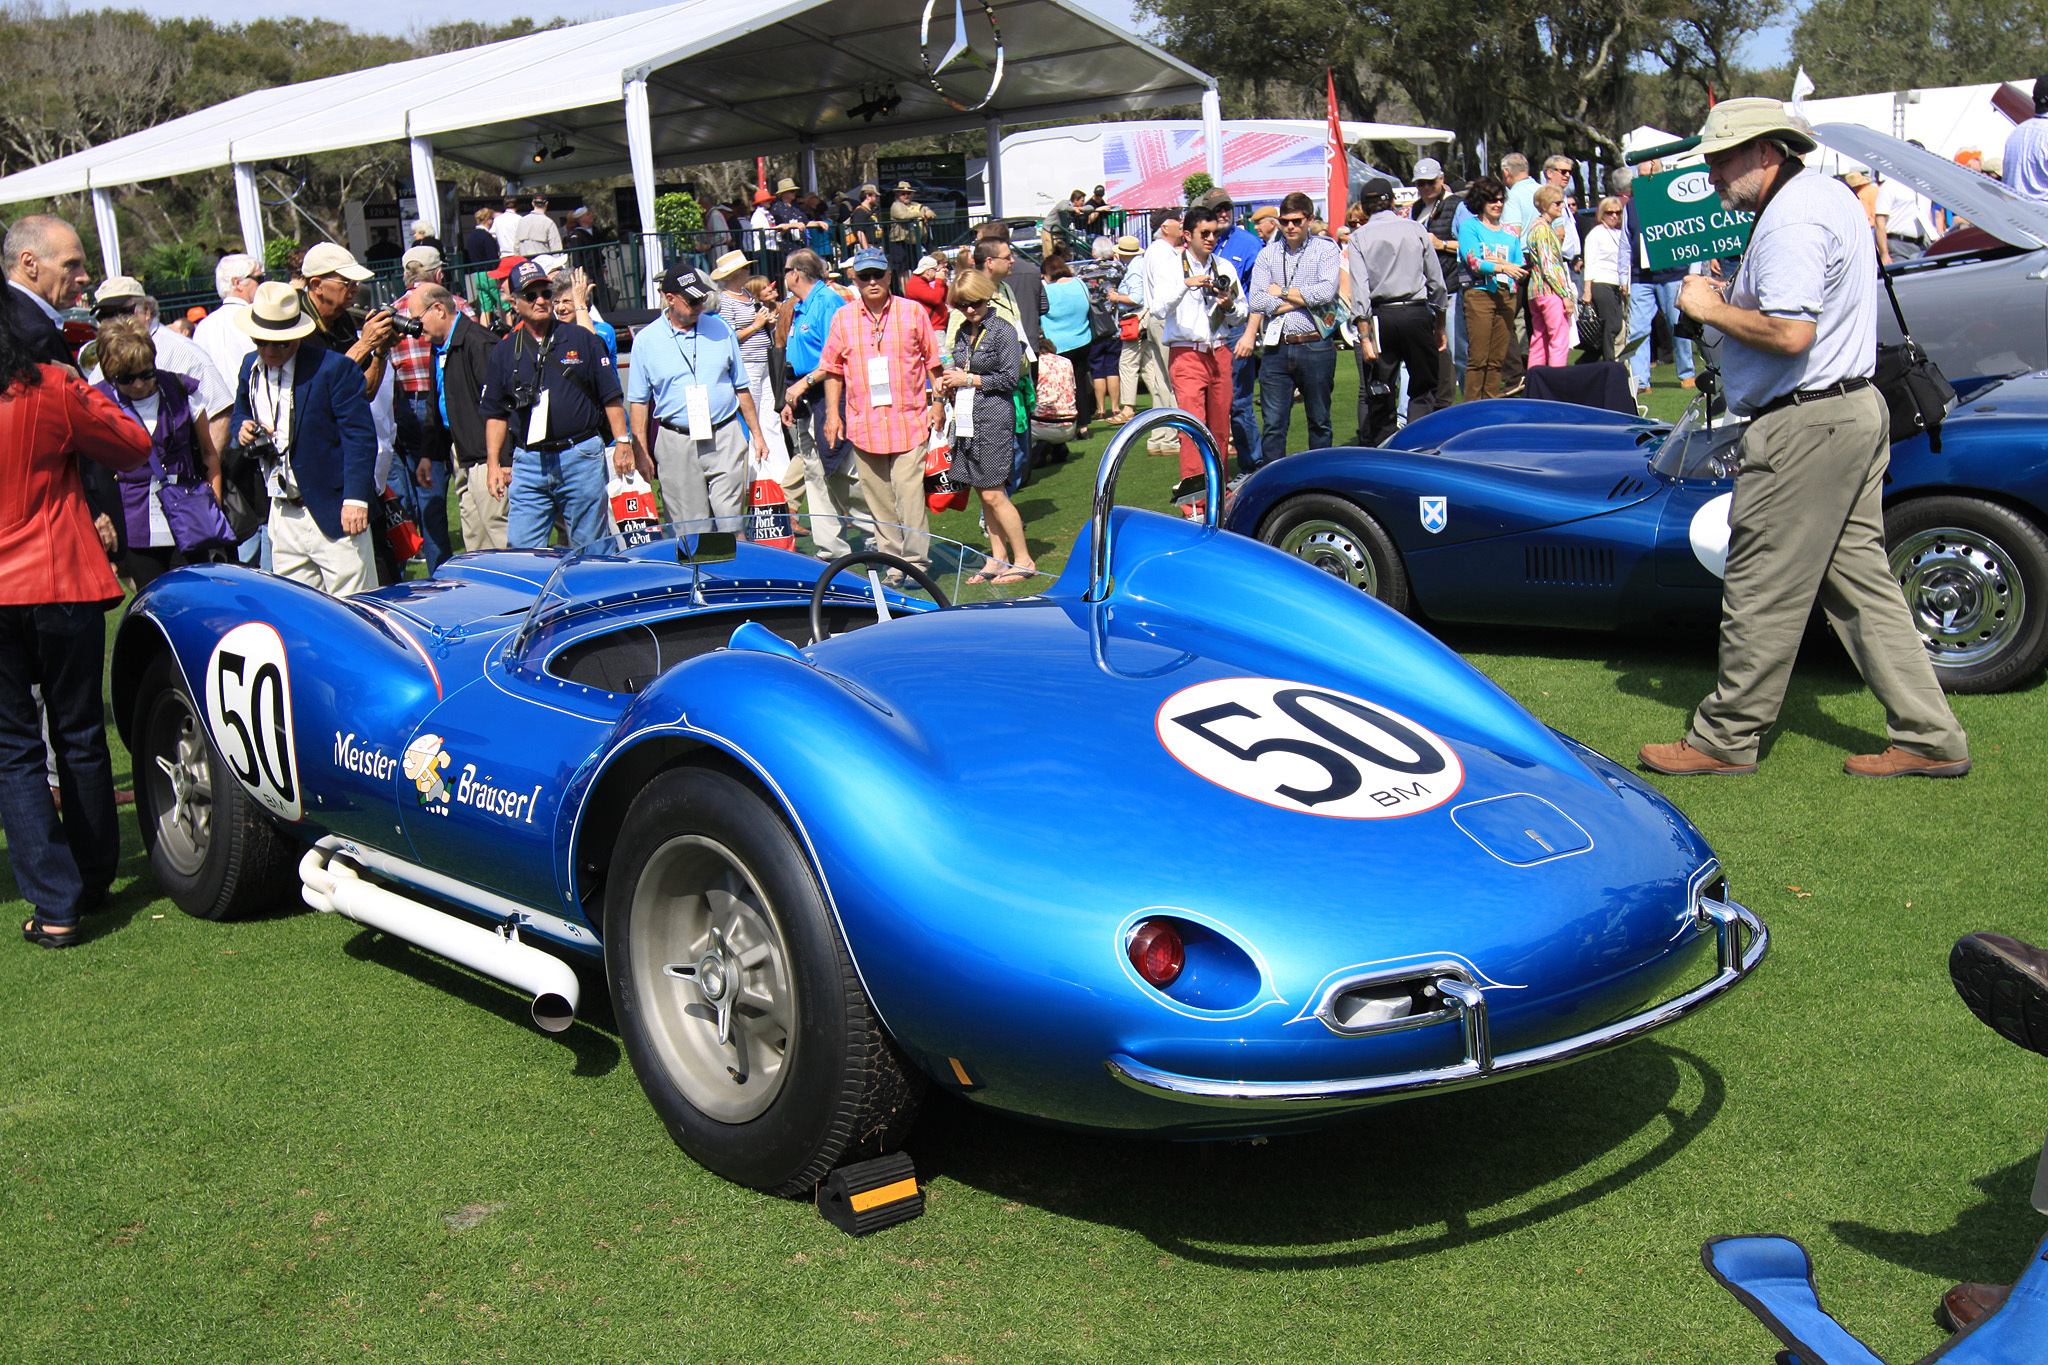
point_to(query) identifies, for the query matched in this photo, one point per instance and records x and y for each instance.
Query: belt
(556, 447)
(1400, 303)
(1798, 396)
(685, 431)
(1300, 338)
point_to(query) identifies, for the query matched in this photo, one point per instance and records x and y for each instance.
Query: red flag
(1335, 163)
(761, 174)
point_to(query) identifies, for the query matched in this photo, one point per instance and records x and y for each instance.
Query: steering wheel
(923, 580)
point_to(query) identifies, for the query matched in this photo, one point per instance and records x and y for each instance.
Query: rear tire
(1975, 579)
(211, 847)
(1343, 540)
(737, 1001)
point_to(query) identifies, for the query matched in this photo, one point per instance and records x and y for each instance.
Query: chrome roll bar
(1135, 432)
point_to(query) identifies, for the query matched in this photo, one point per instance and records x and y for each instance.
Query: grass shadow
(1400, 1182)
(1988, 1243)
(596, 1050)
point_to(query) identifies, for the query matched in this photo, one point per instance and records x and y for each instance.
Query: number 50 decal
(1308, 749)
(249, 705)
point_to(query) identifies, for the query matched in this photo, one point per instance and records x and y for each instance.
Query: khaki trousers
(827, 498)
(301, 551)
(483, 516)
(893, 486)
(1807, 522)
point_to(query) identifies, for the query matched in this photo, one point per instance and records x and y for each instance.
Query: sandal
(44, 935)
(1015, 576)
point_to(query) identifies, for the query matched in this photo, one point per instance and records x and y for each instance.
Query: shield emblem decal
(1436, 513)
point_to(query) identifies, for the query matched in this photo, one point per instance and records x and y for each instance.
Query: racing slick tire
(1975, 579)
(211, 847)
(735, 996)
(1343, 540)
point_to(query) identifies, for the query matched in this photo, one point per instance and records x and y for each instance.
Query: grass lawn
(290, 1139)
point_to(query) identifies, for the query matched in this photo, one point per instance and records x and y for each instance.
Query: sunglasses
(1205, 232)
(870, 276)
(536, 295)
(1292, 220)
(135, 377)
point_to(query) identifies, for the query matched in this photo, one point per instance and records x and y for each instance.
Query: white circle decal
(249, 707)
(1709, 534)
(1308, 749)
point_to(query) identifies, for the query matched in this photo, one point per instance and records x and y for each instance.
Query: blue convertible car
(1193, 841)
(1522, 512)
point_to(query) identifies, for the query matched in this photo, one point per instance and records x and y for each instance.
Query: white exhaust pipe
(336, 887)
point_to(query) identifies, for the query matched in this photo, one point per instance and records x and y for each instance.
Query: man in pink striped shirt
(880, 359)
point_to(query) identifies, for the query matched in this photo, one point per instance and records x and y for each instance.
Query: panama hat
(731, 263)
(1127, 246)
(784, 185)
(1734, 122)
(329, 259)
(275, 314)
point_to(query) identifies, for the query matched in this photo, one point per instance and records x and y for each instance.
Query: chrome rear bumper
(1479, 1067)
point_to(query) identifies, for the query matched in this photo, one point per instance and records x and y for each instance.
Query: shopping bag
(630, 506)
(769, 522)
(401, 532)
(941, 494)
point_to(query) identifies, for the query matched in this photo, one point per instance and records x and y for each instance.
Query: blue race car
(1193, 841)
(1521, 512)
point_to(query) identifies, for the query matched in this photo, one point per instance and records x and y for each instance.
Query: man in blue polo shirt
(828, 470)
(552, 390)
(689, 378)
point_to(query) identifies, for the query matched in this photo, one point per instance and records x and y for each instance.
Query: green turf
(292, 1140)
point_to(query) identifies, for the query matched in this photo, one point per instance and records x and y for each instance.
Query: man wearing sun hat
(302, 408)
(907, 218)
(1799, 330)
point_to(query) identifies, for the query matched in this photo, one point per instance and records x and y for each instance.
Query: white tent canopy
(1947, 119)
(704, 80)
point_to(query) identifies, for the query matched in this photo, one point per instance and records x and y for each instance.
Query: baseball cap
(1379, 187)
(688, 283)
(1734, 122)
(524, 274)
(195, 313)
(1264, 211)
(867, 258)
(119, 289)
(421, 258)
(1426, 170)
(329, 259)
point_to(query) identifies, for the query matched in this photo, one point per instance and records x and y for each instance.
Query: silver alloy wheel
(180, 776)
(1336, 550)
(712, 972)
(1964, 594)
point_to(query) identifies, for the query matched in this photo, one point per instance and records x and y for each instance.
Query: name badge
(879, 395)
(537, 420)
(1272, 333)
(697, 403)
(963, 412)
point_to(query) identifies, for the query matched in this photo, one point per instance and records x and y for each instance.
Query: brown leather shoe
(1967, 1304)
(1896, 762)
(1687, 384)
(2005, 983)
(1682, 760)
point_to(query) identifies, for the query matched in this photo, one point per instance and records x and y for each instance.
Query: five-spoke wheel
(1975, 579)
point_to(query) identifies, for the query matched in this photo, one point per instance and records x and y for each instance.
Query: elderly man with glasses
(452, 436)
(551, 390)
(828, 469)
(235, 279)
(880, 361)
(1294, 284)
(688, 396)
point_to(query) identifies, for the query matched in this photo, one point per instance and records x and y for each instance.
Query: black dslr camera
(407, 327)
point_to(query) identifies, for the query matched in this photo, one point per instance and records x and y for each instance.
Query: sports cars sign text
(1683, 222)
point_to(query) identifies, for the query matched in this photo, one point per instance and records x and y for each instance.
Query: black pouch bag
(1912, 385)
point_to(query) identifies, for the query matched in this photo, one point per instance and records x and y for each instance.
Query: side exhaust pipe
(332, 885)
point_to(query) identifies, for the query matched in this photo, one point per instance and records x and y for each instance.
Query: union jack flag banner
(1143, 164)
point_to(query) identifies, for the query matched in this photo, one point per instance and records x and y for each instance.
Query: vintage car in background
(1195, 841)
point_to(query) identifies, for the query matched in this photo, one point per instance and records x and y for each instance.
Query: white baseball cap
(329, 259)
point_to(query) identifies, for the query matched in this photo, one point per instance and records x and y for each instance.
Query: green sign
(1683, 222)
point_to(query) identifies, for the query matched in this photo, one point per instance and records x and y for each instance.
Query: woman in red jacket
(55, 587)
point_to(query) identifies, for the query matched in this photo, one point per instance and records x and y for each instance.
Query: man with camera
(300, 411)
(551, 391)
(333, 280)
(1199, 301)
(453, 429)
(1799, 329)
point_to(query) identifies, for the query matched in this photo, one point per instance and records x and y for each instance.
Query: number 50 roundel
(249, 706)
(1308, 749)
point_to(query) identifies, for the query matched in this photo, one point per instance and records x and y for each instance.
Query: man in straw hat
(1799, 323)
(302, 411)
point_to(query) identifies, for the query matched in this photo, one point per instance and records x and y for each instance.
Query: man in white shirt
(1198, 299)
(211, 393)
(505, 227)
(1905, 221)
(235, 279)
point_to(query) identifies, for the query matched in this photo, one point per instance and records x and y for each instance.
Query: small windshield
(638, 567)
(1696, 450)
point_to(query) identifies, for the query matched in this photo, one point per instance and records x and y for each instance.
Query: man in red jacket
(55, 587)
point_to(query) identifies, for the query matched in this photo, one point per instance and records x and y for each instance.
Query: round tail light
(1157, 952)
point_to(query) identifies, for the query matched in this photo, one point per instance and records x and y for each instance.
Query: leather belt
(1400, 303)
(685, 431)
(1798, 396)
(1300, 338)
(557, 446)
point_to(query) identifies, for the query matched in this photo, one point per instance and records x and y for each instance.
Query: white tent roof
(726, 78)
(1946, 118)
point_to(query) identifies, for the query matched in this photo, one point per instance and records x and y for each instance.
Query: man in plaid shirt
(881, 357)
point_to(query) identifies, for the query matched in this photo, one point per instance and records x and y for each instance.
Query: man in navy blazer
(307, 403)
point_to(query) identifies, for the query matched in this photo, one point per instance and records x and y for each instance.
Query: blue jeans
(1309, 369)
(1454, 321)
(1020, 462)
(566, 484)
(1245, 435)
(62, 864)
(1645, 301)
(427, 506)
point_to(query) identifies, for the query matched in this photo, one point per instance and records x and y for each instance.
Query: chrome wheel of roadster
(1975, 579)
(737, 1002)
(1343, 541)
(211, 847)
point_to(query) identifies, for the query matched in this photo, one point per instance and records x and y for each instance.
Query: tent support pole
(251, 209)
(807, 164)
(640, 151)
(1212, 135)
(424, 188)
(110, 231)
(993, 129)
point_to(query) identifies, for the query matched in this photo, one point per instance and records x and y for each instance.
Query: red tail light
(1157, 952)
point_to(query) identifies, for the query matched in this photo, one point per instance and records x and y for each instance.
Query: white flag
(1801, 88)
